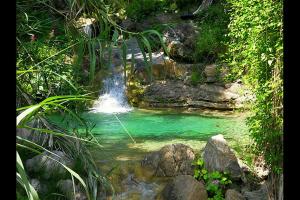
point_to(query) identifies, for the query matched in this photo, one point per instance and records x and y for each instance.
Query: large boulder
(47, 167)
(184, 187)
(170, 160)
(233, 195)
(218, 156)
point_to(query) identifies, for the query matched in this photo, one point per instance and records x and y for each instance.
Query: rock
(210, 72)
(38, 186)
(135, 187)
(129, 25)
(47, 167)
(32, 135)
(260, 168)
(87, 26)
(218, 156)
(261, 194)
(170, 160)
(174, 93)
(181, 41)
(233, 195)
(184, 187)
(67, 189)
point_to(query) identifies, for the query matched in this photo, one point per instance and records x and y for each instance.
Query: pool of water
(152, 129)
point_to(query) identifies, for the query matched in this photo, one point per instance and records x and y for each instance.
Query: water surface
(153, 129)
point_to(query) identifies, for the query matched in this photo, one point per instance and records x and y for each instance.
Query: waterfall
(113, 99)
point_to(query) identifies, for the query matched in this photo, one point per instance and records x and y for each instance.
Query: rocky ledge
(175, 93)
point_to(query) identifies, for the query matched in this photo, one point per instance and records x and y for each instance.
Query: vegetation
(138, 10)
(255, 54)
(215, 182)
(50, 65)
(57, 60)
(213, 27)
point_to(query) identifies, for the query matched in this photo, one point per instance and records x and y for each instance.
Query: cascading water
(113, 100)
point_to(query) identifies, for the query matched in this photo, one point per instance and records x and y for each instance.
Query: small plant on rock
(215, 182)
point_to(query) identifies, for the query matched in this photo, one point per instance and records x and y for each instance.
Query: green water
(152, 129)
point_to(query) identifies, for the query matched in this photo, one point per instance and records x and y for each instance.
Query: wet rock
(47, 167)
(218, 156)
(139, 189)
(170, 160)
(87, 26)
(184, 187)
(233, 195)
(67, 189)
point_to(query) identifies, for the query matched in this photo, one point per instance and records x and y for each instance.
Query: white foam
(114, 99)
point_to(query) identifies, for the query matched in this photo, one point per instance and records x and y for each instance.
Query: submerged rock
(184, 187)
(171, 160)
(218, 156)
(138, 189)
(47, 167)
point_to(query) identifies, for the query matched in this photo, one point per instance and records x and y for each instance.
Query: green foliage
(139, 9)
(215, 182)
(195, 78)
(181, 4)
(213, 27)
(255, 53)
(197, 75)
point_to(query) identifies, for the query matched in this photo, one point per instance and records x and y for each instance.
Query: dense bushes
(139, 9)
(255, 53)
(213, 27)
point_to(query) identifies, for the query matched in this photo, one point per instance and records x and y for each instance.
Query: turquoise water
(153, 129)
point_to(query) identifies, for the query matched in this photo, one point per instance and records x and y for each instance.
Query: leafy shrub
(139, 9)
(215, 182)
(197, 75)
(255, 53)
(53, 77)
(213, 27)
(181, 4)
